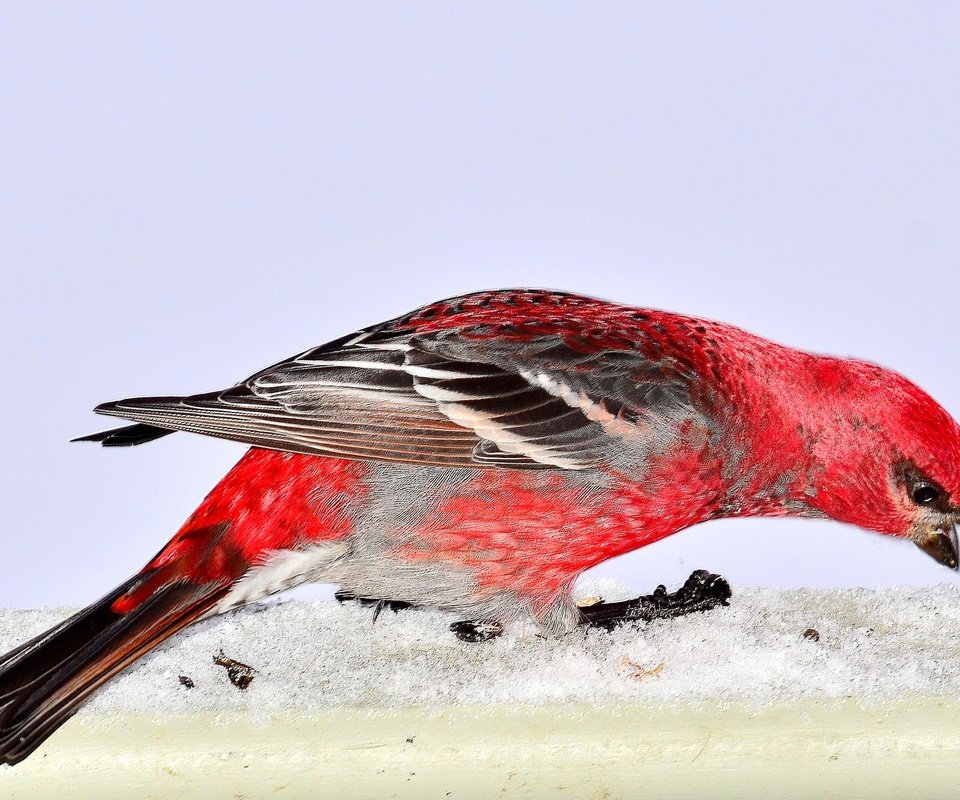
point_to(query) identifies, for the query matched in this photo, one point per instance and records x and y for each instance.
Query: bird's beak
(940, 543)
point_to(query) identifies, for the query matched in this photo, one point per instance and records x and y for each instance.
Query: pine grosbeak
(479, 453)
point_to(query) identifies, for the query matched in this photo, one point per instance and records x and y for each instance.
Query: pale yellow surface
(803, 749)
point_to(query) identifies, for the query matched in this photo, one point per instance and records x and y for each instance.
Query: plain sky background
(191, 191)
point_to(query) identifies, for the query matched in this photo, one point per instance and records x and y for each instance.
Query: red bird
(479, 453)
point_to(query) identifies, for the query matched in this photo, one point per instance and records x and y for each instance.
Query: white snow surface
(874, 646)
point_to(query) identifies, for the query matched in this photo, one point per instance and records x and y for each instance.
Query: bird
(479, 453)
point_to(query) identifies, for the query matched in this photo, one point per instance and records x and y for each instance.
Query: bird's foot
(476, 631)
(702, 591)
(379, 604)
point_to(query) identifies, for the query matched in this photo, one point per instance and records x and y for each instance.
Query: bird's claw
(702, 591)
(378, 603)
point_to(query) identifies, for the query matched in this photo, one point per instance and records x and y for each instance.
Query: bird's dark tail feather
(43, 682)
(127, 436)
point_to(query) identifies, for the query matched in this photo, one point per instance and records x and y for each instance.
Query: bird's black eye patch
(925, 494)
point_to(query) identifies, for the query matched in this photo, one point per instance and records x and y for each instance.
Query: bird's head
(886, 456)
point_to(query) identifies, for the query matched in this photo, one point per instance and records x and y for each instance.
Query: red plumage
(479, 453)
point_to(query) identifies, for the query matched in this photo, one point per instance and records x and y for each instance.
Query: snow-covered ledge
(784, 694)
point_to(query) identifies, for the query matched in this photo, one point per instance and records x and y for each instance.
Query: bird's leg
(702, 591)
(476, 631)
(466, 630)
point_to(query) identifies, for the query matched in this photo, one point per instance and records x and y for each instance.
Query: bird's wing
(456, 394)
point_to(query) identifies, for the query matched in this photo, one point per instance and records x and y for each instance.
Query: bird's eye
(924, 494)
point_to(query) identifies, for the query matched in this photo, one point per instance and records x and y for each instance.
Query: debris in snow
(812, 634)
(239, 674)
(639, 673)
(185, 681)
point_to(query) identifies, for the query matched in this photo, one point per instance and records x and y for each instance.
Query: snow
(874, 646)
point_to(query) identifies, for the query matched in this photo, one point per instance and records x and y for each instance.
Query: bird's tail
(43, 682)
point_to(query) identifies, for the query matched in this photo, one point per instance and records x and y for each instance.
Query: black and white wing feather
(440, 398)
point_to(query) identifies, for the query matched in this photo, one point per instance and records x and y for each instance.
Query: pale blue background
(191, 191)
